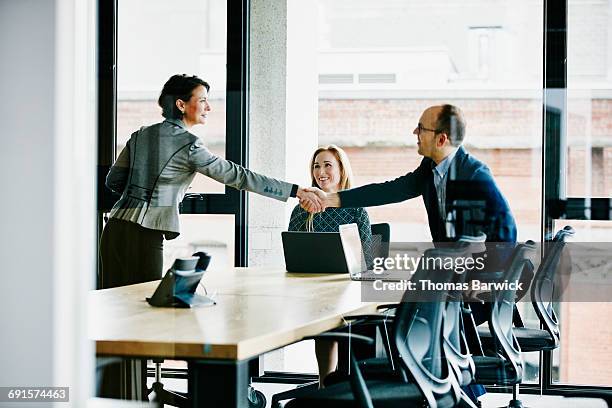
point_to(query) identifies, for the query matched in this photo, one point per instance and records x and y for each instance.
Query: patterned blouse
(331, 218)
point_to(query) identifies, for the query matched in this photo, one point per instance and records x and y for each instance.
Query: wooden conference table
(258, 310)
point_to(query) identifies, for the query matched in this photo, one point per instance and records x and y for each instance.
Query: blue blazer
(468, 179)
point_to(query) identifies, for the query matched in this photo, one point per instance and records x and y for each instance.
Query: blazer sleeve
(116, 179)
(402, 188)
(233, 175)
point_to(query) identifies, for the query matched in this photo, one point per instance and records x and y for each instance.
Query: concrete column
(283, 113)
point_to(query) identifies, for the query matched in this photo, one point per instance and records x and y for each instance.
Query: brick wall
(132, 114)
(490, 122)
(586, 344)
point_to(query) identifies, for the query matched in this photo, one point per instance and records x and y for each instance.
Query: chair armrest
(341, 337)
(368, 320)
(387, 306)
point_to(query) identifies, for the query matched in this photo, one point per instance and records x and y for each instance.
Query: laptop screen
(351, 244)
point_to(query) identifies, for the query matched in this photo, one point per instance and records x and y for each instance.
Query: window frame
(554, 167)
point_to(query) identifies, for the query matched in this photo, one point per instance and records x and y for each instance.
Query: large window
(381, 64)
(157, 39)
(584, 357)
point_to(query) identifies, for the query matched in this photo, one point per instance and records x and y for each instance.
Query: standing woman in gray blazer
(152, 174)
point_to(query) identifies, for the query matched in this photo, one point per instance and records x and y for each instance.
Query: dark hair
(451, 121)
(178, 87)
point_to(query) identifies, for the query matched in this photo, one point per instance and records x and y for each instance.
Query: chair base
(163, 397)
(300, 391)
(256, 398)
(514, 404)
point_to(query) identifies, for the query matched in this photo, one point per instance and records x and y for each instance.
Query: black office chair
(417, 346)
(102, 363)
(473, 245)
(455, 345)
(542, 292)
(505, 367)
(454, 341)
(381, 235)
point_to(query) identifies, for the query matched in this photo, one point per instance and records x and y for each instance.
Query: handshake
(315, 200)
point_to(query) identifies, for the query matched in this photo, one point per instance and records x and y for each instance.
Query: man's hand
(327, 200)
(310, 200)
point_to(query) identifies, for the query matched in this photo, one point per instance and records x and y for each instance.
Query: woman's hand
(310, 200)
(325, 200)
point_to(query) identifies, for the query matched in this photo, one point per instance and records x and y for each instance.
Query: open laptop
(313, 252)
(354, 258)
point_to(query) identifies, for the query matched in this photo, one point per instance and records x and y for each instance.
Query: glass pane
(588, 174)
(377, 74)
(196, 236)
(589, 99)
(159, 38)
(380, 64)
(585, 326)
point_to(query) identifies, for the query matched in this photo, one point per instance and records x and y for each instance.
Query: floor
(490, 400)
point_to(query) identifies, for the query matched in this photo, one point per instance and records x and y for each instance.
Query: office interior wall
(47, 178)
(283, 114)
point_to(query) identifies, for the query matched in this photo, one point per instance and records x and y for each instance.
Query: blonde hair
(346, 173)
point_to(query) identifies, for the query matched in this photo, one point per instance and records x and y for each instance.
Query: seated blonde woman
(330, 171)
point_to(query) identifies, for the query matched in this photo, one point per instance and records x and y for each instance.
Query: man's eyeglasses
(421, 128)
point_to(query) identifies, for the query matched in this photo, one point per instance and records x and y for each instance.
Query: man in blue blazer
(447, 175)
(447, 178)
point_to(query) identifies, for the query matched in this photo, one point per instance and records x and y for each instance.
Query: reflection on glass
(585, 331)
(159, 38)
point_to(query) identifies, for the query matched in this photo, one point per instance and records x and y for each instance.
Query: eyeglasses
(421, 128)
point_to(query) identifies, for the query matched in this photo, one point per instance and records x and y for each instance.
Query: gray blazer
(157, 166)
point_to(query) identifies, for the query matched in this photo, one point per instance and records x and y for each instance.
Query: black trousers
(130, 254)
